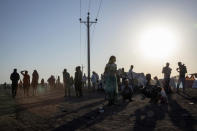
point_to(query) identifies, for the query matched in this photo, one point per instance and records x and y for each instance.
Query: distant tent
(194, 84)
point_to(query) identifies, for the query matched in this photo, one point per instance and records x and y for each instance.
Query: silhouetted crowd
(113, 82)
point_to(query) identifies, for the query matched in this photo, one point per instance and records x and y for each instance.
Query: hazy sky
(45, 35)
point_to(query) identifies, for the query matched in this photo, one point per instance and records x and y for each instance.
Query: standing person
(94, 80)
(84, 79)
(5, 85)
(118, 76)
(66, 79)
(123, 76)
(14, 77)
(71, 83)
(26, 82)
(58, 84)
(111, 86)
(42, 82)
(51, 81)
(182, 71)
(34, 83)
(131, 76)
(101, 82)
(167, 72)
(78, 81)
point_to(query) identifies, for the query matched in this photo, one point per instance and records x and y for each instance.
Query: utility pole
(88, 23)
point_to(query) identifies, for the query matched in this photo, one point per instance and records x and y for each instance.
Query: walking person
(167, 72)
(66, 79)
(111, 86)
(182, 71)
(14, 78)
(34, 83)
(78, 81)
(26, 82)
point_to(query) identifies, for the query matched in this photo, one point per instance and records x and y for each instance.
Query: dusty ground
(51, 111)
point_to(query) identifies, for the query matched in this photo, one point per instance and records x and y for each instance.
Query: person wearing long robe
(78, 81)
(111, 86)
(35, 78)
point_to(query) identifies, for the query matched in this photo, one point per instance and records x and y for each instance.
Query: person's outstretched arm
(22, 72)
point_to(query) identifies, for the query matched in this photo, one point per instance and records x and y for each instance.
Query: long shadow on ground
(86, 97)
(91, 118)
(39, 104)
(78, 109)
(180, 117)
(147, 117)
(188, 97)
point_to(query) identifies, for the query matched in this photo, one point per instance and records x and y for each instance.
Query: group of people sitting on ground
(128, 83)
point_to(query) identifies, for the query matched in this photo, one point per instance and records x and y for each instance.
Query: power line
(80, 8)
(98, 12)
(80, 43)
(89, 5)
(80, 32)
(100, 4)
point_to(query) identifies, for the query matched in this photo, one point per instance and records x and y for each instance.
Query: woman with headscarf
(111, 86)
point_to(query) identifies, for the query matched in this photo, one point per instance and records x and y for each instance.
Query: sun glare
(158, 42)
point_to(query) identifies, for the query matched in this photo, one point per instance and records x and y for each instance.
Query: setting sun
(158, 42)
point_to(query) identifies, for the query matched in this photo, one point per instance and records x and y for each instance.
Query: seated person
(151, 91)
(127, 91)
(157, 81)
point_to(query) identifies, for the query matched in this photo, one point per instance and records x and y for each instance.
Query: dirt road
(51, 111)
